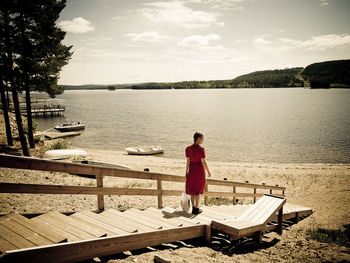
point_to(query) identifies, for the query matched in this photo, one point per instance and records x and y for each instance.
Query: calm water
(245, 125)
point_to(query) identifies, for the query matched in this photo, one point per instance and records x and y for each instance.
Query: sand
(322, 187)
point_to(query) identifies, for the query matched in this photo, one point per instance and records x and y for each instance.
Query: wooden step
(180, 215)
(85, 226)
(74, 230)
(5, 245)
(15, 239)
(166, 216)
(152, 217)
(140, 227)
(121, 224)
(25, 232)
(57, 230)
(88, 216)
(223, 213)
(44, 230)
(136, 218)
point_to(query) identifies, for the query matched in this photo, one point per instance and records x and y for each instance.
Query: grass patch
(220, 201)
(123, 207)
(60, 144)
(339, 237)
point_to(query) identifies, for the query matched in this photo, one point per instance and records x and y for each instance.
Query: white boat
(64, 154)
(104, 164)
(70, 126)
(144, 150)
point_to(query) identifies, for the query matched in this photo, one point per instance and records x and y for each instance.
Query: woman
(195, 174)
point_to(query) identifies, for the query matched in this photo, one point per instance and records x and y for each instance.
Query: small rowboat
(70, 126)
(64, 154)
(104, 164)
(109, 165)
(144, 150)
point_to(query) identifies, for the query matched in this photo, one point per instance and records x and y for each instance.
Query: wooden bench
(254, 220)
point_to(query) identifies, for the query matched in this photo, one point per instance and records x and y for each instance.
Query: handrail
(20, 162)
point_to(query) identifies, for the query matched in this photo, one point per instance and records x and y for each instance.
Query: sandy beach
(323, 187)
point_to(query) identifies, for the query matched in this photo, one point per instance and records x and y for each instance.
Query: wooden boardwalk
(57, 237)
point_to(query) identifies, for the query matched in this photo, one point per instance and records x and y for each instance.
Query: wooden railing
(19, 162)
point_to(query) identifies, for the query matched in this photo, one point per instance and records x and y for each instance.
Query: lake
(291, 125)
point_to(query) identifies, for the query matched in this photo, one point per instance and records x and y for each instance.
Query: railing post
(160, 195)
(280, 221)
(254, 196)
(270, 191)
(100, 198)
(283, 192)
(234, 198)
(206, 202)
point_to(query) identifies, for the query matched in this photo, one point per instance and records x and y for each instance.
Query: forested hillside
(328, 74)
(318, 75)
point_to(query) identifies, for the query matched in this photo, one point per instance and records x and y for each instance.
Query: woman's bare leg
(192, 200)
(197, 201)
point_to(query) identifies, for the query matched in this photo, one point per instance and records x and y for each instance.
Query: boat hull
(146, 150)
(64, 154)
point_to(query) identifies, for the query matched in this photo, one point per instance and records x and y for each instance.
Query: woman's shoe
(196, 211)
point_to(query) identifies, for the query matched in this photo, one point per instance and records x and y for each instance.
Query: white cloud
(118, 18)
(323, 2)
(149, 36)
(321, 42)
(261, 41)
(200, 41)
(78, 25)
(222, 4)
(176, 13)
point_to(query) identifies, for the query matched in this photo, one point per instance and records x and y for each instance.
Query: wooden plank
(100, 198)
(253, 207)
(104, 246)
(139, 219)
(153, 217)
(65, 226)
(180, 216)
(85, 226)
(67, 189)
(261, 208)
(5, 245)
(229, 211)
(111, 230)
(57, 230)
(116, 222)
(126, 222)
(44, 230)
(24, 232)
(15, 239)
(20, 162)
(166, 216)
(265, 213)
(218, 212)
(160, 197)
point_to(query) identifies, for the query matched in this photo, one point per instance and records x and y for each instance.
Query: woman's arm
(187, 166)
(205, 166)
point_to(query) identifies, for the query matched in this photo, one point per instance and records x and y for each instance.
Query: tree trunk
(9, 63)
(6, 115)
(27, 87)
(29, 116)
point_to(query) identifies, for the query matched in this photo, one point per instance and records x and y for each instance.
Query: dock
(74, 236)
(55, 135)
(46, 111)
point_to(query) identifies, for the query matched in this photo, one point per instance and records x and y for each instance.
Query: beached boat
(64, 154)
(104, 164)
(70, 126)
(144, 150)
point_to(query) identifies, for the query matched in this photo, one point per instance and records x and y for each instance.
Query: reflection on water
(244, 125)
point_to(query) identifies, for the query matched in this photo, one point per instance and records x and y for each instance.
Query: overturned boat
(64, 154)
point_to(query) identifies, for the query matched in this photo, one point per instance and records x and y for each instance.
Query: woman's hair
(196, 136)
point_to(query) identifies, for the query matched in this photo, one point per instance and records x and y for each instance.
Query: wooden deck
(82, 235)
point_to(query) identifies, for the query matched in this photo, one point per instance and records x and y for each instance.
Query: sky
(133, 41)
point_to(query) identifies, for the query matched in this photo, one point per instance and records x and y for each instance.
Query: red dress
(195, 182)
